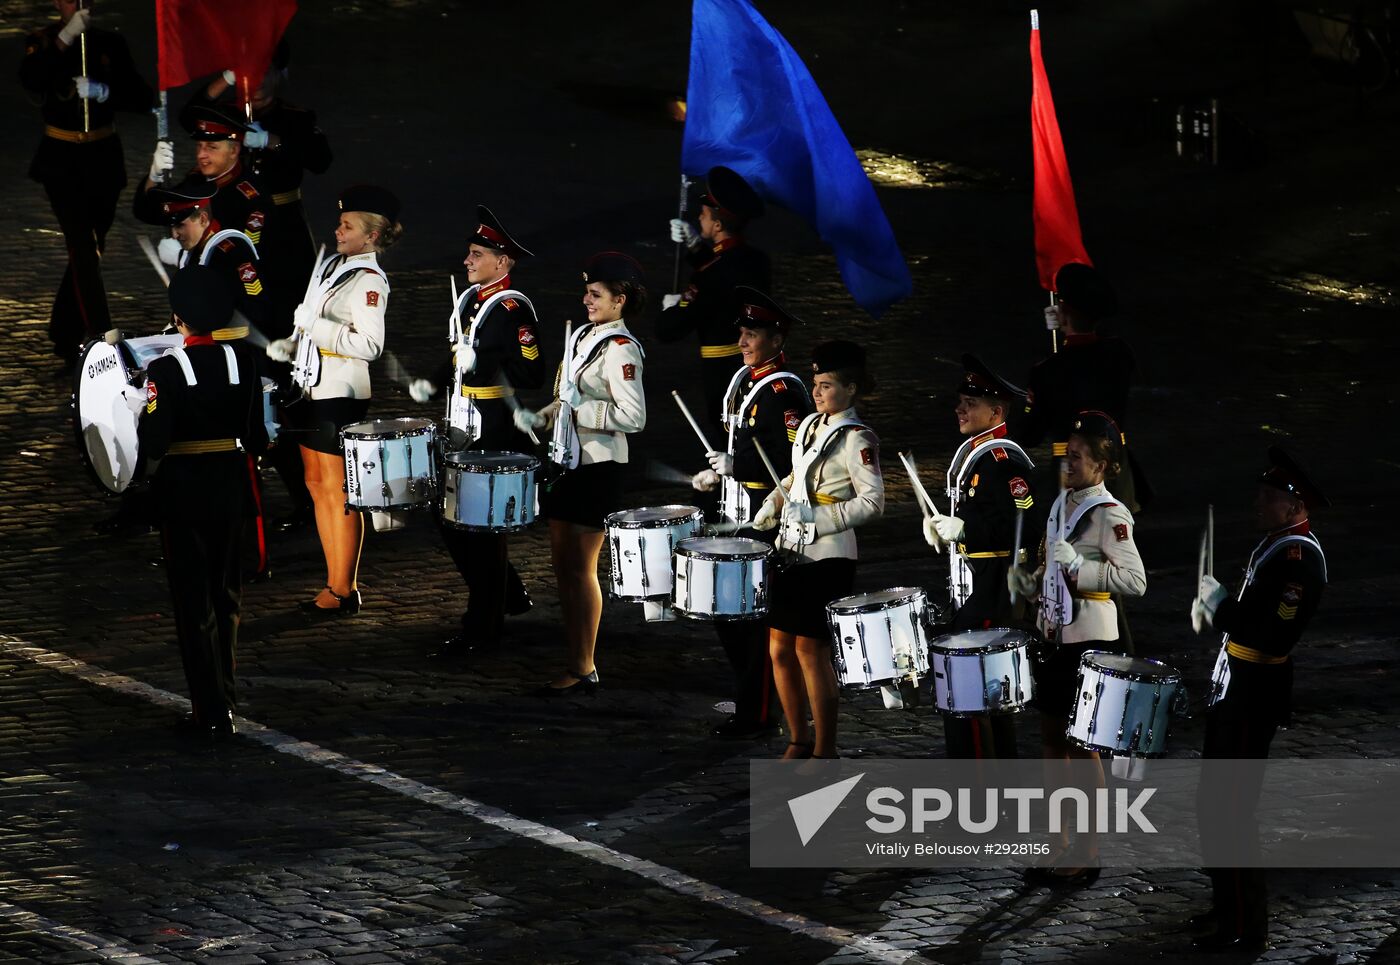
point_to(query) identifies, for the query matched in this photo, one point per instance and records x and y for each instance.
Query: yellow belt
(230, 334)
(1092, 595)
(287, 197)
(719, 351)
(822, 499)
(989, 555)
(757, 485)
(78, 137)
(1251, 655)
(198, 447)
(332, 355)
(487, 391)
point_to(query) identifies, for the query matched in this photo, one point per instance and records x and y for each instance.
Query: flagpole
(1054, 332)
(82, 57)
(680, 213)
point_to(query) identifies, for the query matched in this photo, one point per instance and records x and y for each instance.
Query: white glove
(1209, 594)
(931, 536)
(765, 519)
(421, 390)
(169, 251)
(798, 514)
(682, 232)
(669, 301)
(949, 528)
(1052, 317)
(721, 462)
(527, 421)
(1200, 619)
(91, 90)
(255, 138)
(465, 355)
(303, 318)
(281, 350)
(570, 395)
(1067, 556)
(230, 78)
(1021, 583)
(162, 159)
(112, 336)
(75, 25)
(705, 480)
(135, 398)
(549, 414)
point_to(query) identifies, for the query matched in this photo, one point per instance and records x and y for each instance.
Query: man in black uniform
(204, 425)
(721, 261)
(988, 488)
(1090, 372)
(1252, 691)
(498, 351)
(81, 168)
(764, 402)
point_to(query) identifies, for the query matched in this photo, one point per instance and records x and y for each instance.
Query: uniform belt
(332, 355)
(758, 485)
(824, 499)
(487, 391)
(1250, 655)
(78, 137)
(719, 351)
(198, 447)
(287, 197)
(989, 555)
(230, 334)
(1092, 595)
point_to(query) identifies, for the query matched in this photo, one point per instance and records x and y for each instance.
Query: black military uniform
(288, 252)
(1250, 699)
(991, 478)
(507, 351)
(707, 306)
(205, 426)
(82, 172)
(771, 416)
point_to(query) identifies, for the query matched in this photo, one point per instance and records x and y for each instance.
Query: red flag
(196, 38)
(1057, 238)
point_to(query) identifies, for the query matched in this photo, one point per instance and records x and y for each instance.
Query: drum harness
(1056, 600)
(191, 447)
(461, 406)
(811, 456)
(734, 502)
(967, 456)
(306, 368)
(583, 348)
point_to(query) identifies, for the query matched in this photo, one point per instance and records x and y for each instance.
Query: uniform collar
(995, 432)
(724, 244)
(1081, 338)
(213, 229)
(847, 414)
(1301, 528)
(499, 285)
(1088, 492)
(757, 372)
(198, 340)
(619, 325)
(231, 175)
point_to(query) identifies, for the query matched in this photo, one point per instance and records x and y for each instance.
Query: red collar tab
(499, 285)
(996, 432)
(198, 340)
(724, 244)
(230, 175)
(1301, 528)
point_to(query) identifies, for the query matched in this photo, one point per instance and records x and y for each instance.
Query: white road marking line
(104, 949)
(869, 947)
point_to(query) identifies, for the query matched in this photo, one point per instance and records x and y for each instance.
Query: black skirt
(798, 595)
(1055, 667)
(583, 496)
(316, 423)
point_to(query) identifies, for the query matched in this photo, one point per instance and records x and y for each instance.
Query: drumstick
(1210, 539)
(921, 495)
(454, 322)
(255, 335)
(698, 431)
(1016, 548)
(768, 464)
(660, 472)
(150, 251)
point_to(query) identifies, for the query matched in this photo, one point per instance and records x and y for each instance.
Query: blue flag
(753, 106)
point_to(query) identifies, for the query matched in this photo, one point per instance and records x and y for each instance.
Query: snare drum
(1122, 704)
(879, 637)
(642, 545)
(982, 672)
(721, 578)
(489, 492)
(390, 463)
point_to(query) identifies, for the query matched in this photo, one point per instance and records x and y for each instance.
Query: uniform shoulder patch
(1120, 530)
(780, 385)
(150, 395)
(226, 245)
(372, 299)
(247, 190)
(792, 419)
(1292, 593)
(1295, 552)
(247, 273)
(629, 372)
(1021, 493)
(868, 458)
(622, 341)
(510, 304)
(525, 335)
(1000, 454)
(256, 221)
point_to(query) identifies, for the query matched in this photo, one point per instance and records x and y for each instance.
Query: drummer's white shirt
(350, 323)
(611, 402)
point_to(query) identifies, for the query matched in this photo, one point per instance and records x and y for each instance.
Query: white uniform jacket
(349, 328)
(1103, 535)
(608, 400)
(839, 478)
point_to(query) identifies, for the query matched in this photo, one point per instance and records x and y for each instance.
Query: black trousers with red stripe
(85, 209)
(206, 590)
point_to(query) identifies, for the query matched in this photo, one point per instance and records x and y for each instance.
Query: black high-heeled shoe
(346, 606)
(806, 746)
(584, 683)
(1083, 878)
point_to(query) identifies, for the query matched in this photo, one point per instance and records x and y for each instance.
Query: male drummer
(202, 419)
(497, 352)
(1252, 689)
(988, 488)
(721, 260)
(765, 403)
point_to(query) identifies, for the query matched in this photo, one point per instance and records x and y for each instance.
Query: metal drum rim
(836, 606)
(347, 432)
(612, 520)
(391, 507)
(1027, 640)
(1173, 677)
(532, 465)
(753, 614)
(1109, 750)
(696, 554)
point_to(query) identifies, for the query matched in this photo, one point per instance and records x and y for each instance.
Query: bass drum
(105, 429)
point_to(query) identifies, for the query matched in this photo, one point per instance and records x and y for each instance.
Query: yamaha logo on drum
(105, 364)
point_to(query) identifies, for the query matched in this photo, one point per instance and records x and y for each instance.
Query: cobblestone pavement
(379, 807)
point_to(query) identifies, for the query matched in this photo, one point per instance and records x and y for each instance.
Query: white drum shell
(719, 579)
(1122, 713)
(390, 463)
(879, 637)
(982, 672)
(642, 550)
(490, 492)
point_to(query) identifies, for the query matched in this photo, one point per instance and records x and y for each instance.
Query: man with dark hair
(201, 419)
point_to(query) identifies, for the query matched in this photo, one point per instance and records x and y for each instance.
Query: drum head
(878, 600)
(481, 460)
(387, 428)
(148, 348)
(642, 517)
(1122, 665)
(726, 547)
(991, 640)
(104, 427)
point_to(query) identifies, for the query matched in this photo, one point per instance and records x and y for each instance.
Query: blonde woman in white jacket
(599, 402)
(835, 485)
(344, 321)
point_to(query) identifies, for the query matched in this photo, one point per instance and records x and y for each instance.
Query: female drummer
(598, 402)
(344, 319)
(835, 485)
(1088, 554)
